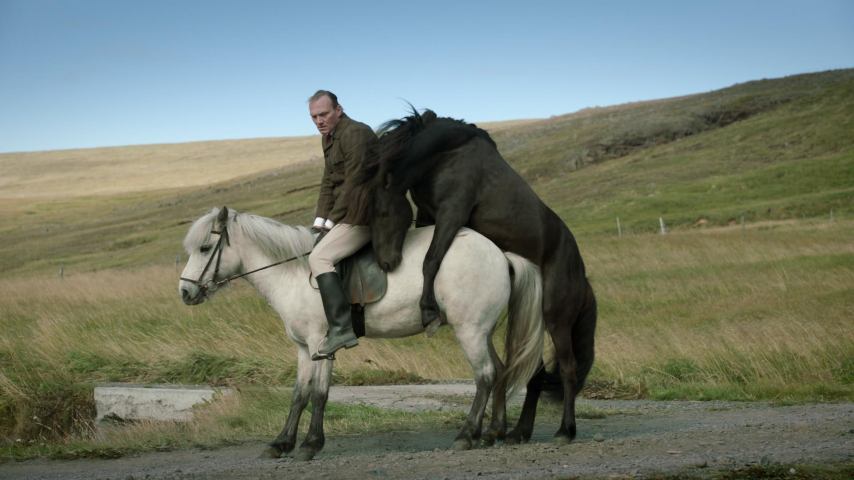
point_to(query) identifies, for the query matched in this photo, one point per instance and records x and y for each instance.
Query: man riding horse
(350, 155)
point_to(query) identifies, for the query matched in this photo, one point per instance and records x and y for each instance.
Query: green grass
(713, 310)
(715, 314)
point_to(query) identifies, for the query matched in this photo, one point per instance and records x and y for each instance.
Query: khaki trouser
(339, 243)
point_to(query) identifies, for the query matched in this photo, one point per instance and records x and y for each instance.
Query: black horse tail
(583, 333)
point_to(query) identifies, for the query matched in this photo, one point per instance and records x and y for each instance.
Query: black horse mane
(408, 145)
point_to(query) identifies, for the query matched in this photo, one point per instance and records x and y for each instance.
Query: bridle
(204, 287)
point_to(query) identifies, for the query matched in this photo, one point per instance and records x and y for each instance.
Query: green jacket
(350, 153)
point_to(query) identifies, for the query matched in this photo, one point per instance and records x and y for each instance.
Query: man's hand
(321, 227)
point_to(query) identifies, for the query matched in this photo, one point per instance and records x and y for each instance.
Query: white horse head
(224, 244)
(211, 256)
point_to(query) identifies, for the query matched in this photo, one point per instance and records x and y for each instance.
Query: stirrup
(319, 356)
(331, 356)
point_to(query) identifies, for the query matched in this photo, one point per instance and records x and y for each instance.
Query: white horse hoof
(433, 328)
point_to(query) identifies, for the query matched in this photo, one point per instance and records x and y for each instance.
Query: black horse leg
(286, 440)
(568, 374)
(563, 299)
(422, 218)
(448, 224)
(525, 426)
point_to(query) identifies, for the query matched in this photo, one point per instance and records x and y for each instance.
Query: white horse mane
(275, 239)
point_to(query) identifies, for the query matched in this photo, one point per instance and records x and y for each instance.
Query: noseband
(217, 252)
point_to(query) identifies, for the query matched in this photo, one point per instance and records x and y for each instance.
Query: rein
(241, 275)
(223, 235)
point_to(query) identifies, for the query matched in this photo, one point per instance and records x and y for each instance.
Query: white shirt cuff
(318, 222)
(329, 224)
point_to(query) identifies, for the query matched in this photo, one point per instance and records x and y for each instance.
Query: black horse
(456, 178)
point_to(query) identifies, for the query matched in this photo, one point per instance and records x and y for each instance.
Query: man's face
(324, 115)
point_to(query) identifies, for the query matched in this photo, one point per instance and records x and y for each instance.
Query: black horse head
(390, 220)
(408, 152)
(391, 212)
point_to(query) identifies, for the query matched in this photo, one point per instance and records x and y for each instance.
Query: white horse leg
(314, 439)
(498, 425)
(475, 343)
(286, 441)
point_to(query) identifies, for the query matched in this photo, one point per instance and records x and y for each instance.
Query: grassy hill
(764, 150)
(748, 297)
(770, 149)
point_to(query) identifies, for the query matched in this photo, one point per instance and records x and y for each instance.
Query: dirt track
(636, 438)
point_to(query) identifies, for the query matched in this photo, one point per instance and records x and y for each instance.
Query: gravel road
(634, 439)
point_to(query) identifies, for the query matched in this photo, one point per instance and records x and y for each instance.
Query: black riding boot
(337, 308)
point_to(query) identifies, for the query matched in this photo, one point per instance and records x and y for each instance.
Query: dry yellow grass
(763, 304)
(62, 174)
(727, 307)
(121, 170)
(137, 316)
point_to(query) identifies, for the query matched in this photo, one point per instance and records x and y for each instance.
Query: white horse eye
(205, 248)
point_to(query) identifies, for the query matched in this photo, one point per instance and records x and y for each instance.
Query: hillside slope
(769, 149)
(60, 174)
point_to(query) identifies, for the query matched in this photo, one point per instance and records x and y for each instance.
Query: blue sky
(87, 73)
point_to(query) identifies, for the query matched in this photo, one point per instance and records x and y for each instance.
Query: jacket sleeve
(325, 200)
(358, 146)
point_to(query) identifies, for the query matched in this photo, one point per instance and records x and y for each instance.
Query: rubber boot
(337, 308)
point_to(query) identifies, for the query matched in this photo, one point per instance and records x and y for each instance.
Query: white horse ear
(223, 215)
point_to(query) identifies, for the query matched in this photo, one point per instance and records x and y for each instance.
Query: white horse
(475, 285)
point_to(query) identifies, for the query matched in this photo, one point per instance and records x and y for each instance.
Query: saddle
(364, 281)
(362, 277)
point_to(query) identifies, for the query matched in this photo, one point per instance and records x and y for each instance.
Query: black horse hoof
(565, 435)
(515, 438)
(305, 454)
(463, 444)
(271, 452)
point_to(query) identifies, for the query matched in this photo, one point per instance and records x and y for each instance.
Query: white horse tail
(523, 346)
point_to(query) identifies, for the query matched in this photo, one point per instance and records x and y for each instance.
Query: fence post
(661, 224)
(177, 261)
(61, 272)
(619, 228)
